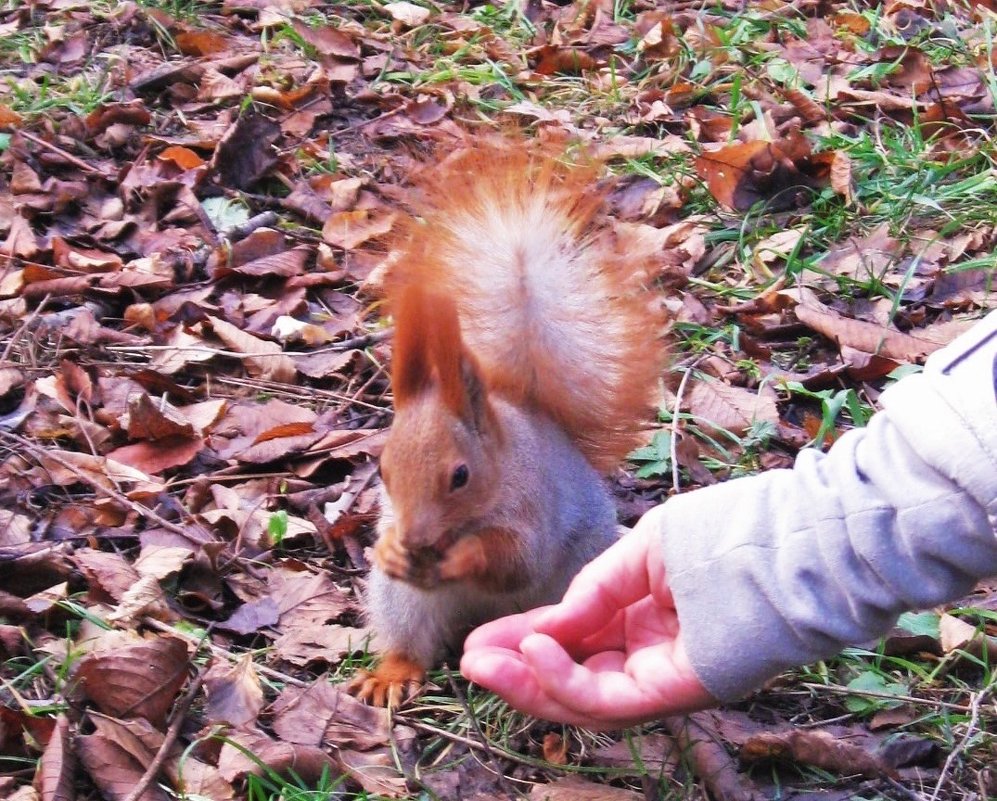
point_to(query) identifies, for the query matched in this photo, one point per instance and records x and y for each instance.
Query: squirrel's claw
(396, 678)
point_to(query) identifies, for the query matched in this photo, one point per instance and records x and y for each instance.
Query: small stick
(58, 150)
(179, 716)
(675, 422)
(462, 699)
(971, 729)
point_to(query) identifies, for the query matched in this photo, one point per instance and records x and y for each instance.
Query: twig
(143, 511)
(674, 451)
(462, 700)
(512, 756)
(838, 689)
(266, 219)
(217, 650)
(64, 154)
(710, 760)
(903, 789)
(29, 321)
(971, 728)
(179, 715)
(362, 341)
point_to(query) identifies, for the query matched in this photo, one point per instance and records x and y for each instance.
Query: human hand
(609, 655)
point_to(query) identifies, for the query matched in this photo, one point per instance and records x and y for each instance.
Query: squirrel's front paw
(392, 557)
(396, 678)
(420, 568)
(465, 558)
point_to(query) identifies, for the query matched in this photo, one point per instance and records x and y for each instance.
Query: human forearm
(789, 566)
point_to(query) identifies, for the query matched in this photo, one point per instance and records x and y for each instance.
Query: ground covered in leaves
(195, 201)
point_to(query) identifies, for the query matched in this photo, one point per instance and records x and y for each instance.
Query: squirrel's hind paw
(395, 679)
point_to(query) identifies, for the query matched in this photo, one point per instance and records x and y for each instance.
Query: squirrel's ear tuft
(411, 369)
(428, 350)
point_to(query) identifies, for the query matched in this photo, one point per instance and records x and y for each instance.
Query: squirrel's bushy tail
(552, 304)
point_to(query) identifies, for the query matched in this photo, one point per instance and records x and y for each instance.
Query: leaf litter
(199, 200)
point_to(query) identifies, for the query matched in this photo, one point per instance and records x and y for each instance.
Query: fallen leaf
(746, 173)
(866, 337)
(732, 408)
(234, 693)
(137, 680)
(263, 358)
(408, 13)
(574, 788)
(814, 747)
(350, 229)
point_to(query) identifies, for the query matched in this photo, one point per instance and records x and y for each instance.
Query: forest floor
(196, 197)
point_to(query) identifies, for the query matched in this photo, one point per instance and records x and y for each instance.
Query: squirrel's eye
(460, 476)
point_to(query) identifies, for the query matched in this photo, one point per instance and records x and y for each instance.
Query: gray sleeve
(789, 566)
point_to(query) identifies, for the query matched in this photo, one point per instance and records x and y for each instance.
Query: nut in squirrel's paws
(420, 567)
(396, 678)
(427, 567)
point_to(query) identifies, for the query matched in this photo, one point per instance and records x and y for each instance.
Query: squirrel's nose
(419, 536)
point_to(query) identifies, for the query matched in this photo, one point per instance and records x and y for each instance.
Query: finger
(608, 584)
(508, 676)
(504, 632)
(608, 696)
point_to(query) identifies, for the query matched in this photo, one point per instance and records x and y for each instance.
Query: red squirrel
(525, 361)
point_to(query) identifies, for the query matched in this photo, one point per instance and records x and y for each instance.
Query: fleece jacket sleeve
(789, 566)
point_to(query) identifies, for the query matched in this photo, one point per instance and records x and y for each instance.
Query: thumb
(607, 585)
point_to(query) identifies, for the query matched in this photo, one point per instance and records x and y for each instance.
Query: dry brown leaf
(145, 598)
(312, 644)
(655, 753)
(867, 337)
(115, 769)
(307, 599)
(161, 561)
(235, 695)
(553, 59)
(54, 776)
(574, 788)
(107, 573)
(745, 173)
(866, 257)
(245, 153)
(841, 175)
(814, 747)
(244, 751)
(376, 771)
(15, 529)
(555, 748)
(408, 13)
(350, 229)
(958, 635)
(137, 680)
(323, 714)
(155, 457)
(329, 40)
(252, 616)
(286, 263)
(180, 348)
(148, 419)
(732, 408)
(263, 358)
(97, 470)
(201, 43)
(778, 246)
(8, 117)
(866, 366)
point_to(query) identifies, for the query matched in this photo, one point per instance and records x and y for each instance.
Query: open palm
(609, 655)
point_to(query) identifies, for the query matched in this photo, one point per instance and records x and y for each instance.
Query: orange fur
(589, 358)
(427, 345)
